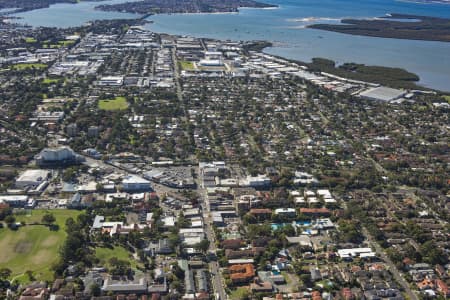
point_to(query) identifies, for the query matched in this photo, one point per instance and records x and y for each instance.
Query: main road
(214, 268)
(398, 277)
(176, 74)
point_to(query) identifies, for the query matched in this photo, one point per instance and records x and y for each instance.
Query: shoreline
(418, 83)
(244, 36)
(17, 10)
(146, 8)
(208, 13)
(425, 2)
(195, 13)
(313, 19)
(264, 8)
(431, 29)
(274, 44)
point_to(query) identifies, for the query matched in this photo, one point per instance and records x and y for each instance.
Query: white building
(256, 181)
(210, 172)
(324, 193)
(132, 183)
(14, 200)
(211, 63)
(287, 212)
(382, 94)
(228, 182)
(31, 178)
(355, 252)
(111, 81)
(168, 221)
(303, 178)
(57, 155)
(299, 201)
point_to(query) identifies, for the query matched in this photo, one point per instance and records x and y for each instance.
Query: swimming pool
(276, 226)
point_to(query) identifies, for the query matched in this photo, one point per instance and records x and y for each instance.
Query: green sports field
(33, 247)
(105, 254)
(118, 103)
(25, 66)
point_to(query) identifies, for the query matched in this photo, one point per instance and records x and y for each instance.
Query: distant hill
(24, 5)
(183, 6)
(433, 1)
(399, 26)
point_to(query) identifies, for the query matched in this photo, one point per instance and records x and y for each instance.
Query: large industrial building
(382, 94)
(57, 157)
(133, 183)
(32, 178)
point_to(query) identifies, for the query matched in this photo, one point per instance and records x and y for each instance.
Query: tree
(141, 255)
(203, 246)
(5, 273)
(177, 271)
(174, 240)
(394, 255)
(306, 279)
(30, 275)
(175, 284)
(48, 218)
(249, 219)
(119, 267)
(432, 254)
(183, 221)
(95, 290)
(10, 219)
(258, 230)
(5, 212)
(69, 174)
(74, 248)
(349, 232)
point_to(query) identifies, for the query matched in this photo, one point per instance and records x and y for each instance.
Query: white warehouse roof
(382, 93)
(33, 176)
(133, 179)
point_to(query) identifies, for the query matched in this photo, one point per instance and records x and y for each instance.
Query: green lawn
(447, 98)
(33, 247)
(239, 293)
(66, 42)
(105, 254)
(28, 66)
(30, 40)
(119, 103)
(49, 80)
(187, 65)
(57, 45)
(35, 216)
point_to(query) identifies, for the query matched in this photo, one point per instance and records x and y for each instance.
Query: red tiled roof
(256, 211)
(442, 287)
(316, 295)
(314, 210)
(242, 272)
